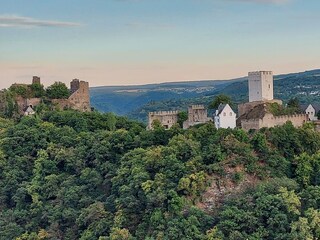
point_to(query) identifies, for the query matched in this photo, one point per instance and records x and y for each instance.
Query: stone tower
(166, 118)
(80, 95)
(196, 114)
(36, 80)
(260, 86)
(74, 85)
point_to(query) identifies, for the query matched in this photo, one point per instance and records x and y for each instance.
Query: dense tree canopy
(72, 175)
(220, 99)
(58, 90)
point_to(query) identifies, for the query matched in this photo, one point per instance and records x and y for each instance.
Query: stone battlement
(166, 118)
(290, 116)
(163, 113)
(271, 121)
(257, 73)
(197, 106)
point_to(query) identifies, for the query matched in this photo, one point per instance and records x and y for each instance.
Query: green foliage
(278, 110)
(37, 90)
(182, 116)
(286, 87)
(220, 99)
(294, 103)
(72, 175)
(22, 90)
(9, 107)
(28, 91)
(58, 90)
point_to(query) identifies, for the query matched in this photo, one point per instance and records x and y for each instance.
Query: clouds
(13, 21)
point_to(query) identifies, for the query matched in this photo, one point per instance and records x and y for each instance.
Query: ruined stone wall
(297, 120)
(80, 98)
(248, 124)
(166, 118)
(22, 103)
(197, 113)
(317, 125)
(74, 85)
(61, 104)
(36, 80)
(33, 102)
(271, 121)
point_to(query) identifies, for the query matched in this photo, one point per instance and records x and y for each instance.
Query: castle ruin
(36, 80)
(80, 95)
(79, 98)
(255, 114)
(166, 118)
(197, 114)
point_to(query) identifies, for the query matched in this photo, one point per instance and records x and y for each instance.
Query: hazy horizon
(136, 42)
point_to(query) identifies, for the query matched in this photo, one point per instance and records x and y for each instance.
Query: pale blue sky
(116, 42)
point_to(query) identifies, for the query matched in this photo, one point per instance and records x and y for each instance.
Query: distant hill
(125, 99)
(137, 101)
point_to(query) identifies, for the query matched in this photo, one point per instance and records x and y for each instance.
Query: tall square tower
(260, 86)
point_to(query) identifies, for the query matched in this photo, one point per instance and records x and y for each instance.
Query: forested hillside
(71, 175)
(304, 87)
(136, 101)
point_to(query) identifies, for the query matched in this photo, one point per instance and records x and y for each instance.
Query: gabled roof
(316, 106)
(221, 108)
(28, 109)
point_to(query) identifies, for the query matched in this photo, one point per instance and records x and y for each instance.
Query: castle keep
(256, 113)
(260, 86)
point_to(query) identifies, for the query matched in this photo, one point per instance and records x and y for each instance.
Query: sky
(130, 42)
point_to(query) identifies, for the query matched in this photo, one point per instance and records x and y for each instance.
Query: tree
(182, 116)
(38, 90)
(294, 103)
(220, 99)
(58, 90)
(20, 90)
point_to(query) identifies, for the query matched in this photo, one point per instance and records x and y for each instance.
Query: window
(224, 114)
(230, 113)
(269, 86)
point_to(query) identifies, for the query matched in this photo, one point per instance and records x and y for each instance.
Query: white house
(225, 117)
(311, 111)
(29, 111)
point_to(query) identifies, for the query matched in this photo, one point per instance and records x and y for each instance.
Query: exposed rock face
(222, 187)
